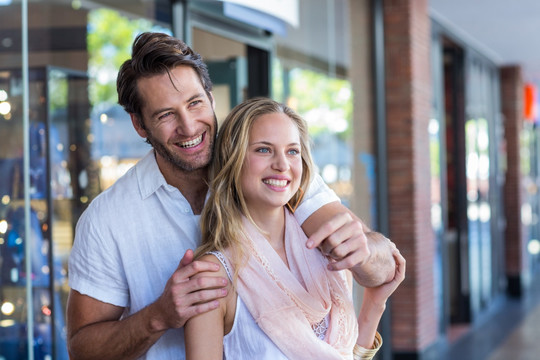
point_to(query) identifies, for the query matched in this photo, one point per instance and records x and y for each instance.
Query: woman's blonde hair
(221, 218)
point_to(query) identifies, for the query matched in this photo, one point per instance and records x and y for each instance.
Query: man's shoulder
(116, 198)
(125, 185)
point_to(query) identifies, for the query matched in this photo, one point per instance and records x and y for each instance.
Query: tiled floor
(511, 333)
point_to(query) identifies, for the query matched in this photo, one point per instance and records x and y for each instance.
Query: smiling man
(131, 268)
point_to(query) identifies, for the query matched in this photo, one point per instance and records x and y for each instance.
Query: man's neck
(192, 184)
(194, 187)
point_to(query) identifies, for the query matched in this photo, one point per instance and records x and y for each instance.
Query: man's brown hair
(153, 54)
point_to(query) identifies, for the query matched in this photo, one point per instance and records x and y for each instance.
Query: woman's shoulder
(211, 257)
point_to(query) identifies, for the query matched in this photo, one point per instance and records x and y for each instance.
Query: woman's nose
(280, 162)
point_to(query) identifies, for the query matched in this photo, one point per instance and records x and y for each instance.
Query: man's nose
(185, 123)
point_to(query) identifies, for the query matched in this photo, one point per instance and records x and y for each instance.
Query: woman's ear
(137, 124)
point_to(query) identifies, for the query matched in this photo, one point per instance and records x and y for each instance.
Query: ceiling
(506, 31)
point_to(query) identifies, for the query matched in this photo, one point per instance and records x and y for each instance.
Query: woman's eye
(294, 152)
(263, 150)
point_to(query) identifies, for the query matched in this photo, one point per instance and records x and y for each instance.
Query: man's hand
(349, 244)
(343, 240)
(184, 297)
(380, 294)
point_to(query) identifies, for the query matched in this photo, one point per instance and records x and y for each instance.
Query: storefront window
(327, 108)
(310, 74)
(530, 210)
(79, 143)
(483, 189)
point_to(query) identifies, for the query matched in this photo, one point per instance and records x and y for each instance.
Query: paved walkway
(511, 332)
(524, 342)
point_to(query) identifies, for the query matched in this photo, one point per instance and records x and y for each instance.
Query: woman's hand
(374, 303)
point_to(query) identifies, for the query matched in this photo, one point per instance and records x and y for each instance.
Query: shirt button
(186, 210)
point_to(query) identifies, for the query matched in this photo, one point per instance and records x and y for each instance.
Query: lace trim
(320, 328)
(223, 262)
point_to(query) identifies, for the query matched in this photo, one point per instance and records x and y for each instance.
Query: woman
(283, 302)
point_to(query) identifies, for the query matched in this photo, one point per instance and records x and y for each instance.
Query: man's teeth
(274, 182)
(191, 143)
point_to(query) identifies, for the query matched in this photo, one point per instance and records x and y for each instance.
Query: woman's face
(272, 169)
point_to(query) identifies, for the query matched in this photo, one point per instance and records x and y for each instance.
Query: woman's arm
(374, 304)
(204, 332)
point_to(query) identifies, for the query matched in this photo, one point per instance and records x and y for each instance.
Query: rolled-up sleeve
(318, 195)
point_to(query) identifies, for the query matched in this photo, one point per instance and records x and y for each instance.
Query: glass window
(482, 190)
(81, 141)
(311, 74)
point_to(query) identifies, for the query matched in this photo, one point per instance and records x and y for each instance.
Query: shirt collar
(149, 176)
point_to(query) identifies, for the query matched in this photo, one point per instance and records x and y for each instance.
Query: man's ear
(213, 101)
(136, 121)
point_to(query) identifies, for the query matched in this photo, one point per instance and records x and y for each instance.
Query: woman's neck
(272, 224)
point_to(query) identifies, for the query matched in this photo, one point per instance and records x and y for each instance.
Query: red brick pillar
(512, 108)
(408, 107)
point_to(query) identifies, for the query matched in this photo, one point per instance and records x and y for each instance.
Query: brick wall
(512, 108)
(408, 99)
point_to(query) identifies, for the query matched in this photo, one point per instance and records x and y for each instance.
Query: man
(131, 296)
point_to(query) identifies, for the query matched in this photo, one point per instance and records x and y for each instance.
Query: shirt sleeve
(317, 195)
(95, 266)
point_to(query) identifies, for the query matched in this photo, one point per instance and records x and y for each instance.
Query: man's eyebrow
(158, 111)
(196, 96)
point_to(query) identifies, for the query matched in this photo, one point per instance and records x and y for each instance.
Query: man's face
(179, 120)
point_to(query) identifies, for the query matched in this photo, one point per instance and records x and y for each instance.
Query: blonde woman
(282, 302)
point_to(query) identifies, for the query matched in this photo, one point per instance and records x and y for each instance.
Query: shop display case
(62, 182)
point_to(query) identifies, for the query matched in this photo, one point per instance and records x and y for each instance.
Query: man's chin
(189, 166)
(189, 163)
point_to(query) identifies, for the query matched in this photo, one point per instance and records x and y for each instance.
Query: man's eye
(194, 103)
(163, 116)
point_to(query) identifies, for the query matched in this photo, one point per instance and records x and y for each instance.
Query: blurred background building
(423, 116)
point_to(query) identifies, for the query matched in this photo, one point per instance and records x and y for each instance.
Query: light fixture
(7, 308)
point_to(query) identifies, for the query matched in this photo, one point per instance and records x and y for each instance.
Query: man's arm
(95, 330)
(342, 236)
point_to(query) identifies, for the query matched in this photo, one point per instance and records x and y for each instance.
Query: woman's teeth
(275, 182)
